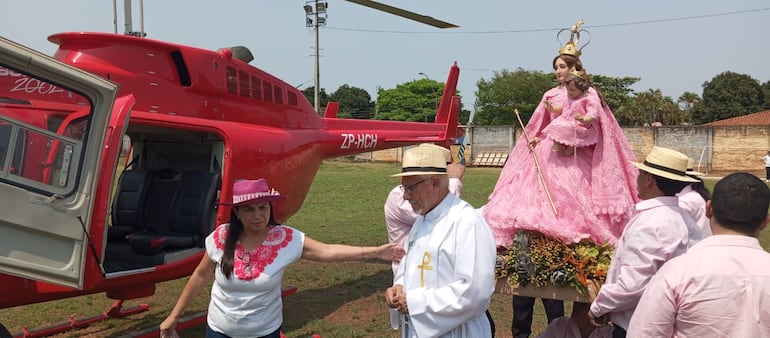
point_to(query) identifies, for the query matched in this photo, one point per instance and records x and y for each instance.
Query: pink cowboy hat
(253, 191)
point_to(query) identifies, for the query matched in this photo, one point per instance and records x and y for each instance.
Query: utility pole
(435, 95)
(128, 24)
(315, 17)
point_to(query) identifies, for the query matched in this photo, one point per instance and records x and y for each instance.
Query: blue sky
(369, 49)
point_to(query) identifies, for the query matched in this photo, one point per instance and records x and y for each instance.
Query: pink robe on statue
(594, 190)
(565, 129)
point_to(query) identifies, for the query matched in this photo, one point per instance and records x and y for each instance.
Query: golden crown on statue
(571, 47)
(581, 74)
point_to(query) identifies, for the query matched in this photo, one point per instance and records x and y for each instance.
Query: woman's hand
(390, 252)
(167, 328)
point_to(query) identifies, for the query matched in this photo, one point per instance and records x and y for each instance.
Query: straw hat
(667, 163)
(691, 169)
(426, 159)
(443, 150)
(253, 191)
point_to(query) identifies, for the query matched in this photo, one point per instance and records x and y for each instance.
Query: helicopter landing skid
(115, 311)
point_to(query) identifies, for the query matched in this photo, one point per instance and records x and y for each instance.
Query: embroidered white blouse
(248, 304)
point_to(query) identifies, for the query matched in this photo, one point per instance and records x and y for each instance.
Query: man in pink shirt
(721, 287)
(693, 199)
(660, 230)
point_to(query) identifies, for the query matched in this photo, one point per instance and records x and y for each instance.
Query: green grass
(344, 205)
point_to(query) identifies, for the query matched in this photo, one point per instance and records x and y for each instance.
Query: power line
(532, 30)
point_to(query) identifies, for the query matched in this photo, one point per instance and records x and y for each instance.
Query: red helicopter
(193, 121)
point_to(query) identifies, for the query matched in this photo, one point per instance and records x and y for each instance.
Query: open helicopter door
(45, 218)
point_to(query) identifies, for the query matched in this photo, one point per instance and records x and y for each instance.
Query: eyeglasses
(410, 188)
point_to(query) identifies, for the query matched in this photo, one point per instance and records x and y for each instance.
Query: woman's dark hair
(700, 188)
(234, 232)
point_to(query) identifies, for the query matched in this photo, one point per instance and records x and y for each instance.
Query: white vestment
(448, 272)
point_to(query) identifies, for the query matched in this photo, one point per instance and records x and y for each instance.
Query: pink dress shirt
(694, 203)
(661, 230)
(720, 288)
(399, 216)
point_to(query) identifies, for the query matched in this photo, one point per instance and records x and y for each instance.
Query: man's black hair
(668, 186)
(740, 202)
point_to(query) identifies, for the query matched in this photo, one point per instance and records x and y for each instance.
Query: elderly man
(445, 282)
(721, 287)
(660, 230)
(399, 216)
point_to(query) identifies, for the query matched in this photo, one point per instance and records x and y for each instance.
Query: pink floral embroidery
(219, 237)
(249, 265)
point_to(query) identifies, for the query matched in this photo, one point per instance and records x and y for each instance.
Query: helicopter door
(48, 178)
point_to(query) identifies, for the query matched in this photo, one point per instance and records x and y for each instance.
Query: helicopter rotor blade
(404, 13)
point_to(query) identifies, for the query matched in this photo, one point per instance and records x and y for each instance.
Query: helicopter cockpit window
(243, 82)
(256, 88)
(42, 129)
(232, 80)
(267, 91)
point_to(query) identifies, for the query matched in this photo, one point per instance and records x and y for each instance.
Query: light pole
(435, 95)
(315, 16)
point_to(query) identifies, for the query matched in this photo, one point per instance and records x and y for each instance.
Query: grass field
(344, 205)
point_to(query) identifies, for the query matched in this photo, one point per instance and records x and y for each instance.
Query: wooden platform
(491, 159)
(547, 292)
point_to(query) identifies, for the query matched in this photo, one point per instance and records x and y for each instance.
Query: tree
(727, 95)
(416, 100)
(354, 102)
(651, 106)
(686, 102)
(617, 94)
(323, 98)
(465, 115)
(497, 97)
(766, 93)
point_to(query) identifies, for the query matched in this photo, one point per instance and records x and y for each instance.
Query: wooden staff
(537, 163)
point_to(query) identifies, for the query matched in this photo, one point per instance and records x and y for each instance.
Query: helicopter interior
(164, 202)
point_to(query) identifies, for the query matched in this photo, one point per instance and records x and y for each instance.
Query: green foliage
(651, 106)
(465, 114)
(354, 102)
(727, 95)
(766, 93)
(323, 98)
(497, 97)
(686, 102)
(617, 94)
(535, 259)
(416, 100)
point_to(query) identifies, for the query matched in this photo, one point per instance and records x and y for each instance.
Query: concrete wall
(737, 148)
(640, 139)
(740, 147)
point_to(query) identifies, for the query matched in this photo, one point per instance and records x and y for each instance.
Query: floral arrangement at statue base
(540, 261)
